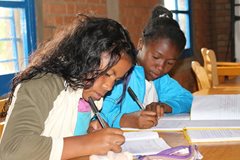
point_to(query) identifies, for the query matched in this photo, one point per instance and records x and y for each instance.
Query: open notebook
(216, 107)
(143, 143)
(136, 143)
(212, 111)
(194, 135)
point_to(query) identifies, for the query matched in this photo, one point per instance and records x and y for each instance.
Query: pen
(134, 97)
(96, 112)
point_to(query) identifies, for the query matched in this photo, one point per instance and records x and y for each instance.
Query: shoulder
(138, 70)
(165, 78)
(137, 74)
(45, 84)
(165, 81)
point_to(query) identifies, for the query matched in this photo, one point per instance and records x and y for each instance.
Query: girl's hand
(156, 107)
(104, 140)
(95, 125)
(98, 142)
(141, 119)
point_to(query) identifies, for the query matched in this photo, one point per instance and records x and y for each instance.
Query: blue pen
(134, 97)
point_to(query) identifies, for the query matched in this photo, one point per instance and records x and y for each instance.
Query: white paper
(180, 116)
(143, 143)
(213, 135)
(179, 125)
(216, 107)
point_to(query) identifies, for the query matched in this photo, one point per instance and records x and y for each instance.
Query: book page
(143, 143)
(216, 107)
(172, 125)
(171, 122)
(180, 116)
(179, 125)
(213, 135)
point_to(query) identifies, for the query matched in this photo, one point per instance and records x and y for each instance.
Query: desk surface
(218, 91)
(210, 151)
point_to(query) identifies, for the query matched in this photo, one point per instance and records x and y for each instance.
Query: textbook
(221, 115)
(173, 125)
(194, 135)
(211, 111)
(143, 143)
(216, 107)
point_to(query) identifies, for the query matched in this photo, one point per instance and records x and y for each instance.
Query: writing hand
(98, 142)
(157, 108)
(142, 119)
(104, 140)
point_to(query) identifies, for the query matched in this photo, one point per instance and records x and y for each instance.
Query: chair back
(210, 65)
(201, 76)
(2, 103)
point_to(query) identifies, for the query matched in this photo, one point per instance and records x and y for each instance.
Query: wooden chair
(2, 103)
(201, 75)
(215, 70)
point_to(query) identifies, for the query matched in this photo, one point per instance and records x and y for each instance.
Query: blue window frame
(182, 13)
(17, 38)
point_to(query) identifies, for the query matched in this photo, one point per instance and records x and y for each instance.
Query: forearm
(76, 147)
(98, 142)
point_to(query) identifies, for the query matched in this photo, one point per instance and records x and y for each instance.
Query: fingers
(160, 110)
(151, 115)
(114, 131)
(116, 148)
(116, 140)
(156, 107)
(147, 119)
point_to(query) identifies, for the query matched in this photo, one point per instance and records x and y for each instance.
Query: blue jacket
(169, 92)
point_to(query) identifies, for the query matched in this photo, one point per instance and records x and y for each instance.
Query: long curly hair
(75, 52)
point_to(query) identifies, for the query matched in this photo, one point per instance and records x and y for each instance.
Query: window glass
(177, 4)
(12, 40)
(13, 0)
(184, 25)
(17, 38)
(182, 5)
(181, 13)
(170, 4)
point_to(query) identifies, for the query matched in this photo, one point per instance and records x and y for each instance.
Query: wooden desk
(228, 70)
(210, 151)
(218, 91)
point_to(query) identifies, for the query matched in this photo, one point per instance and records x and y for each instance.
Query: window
(17, 38)
(181, 13)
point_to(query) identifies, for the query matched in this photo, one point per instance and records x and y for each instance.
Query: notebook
(194, 135)
(211, 111)
(143, 143)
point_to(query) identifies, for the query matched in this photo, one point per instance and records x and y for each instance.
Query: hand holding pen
(154, 106)
(105, 139)
(149, 115)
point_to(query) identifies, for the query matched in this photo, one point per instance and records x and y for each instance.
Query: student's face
(157, 57)
(105, 82)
